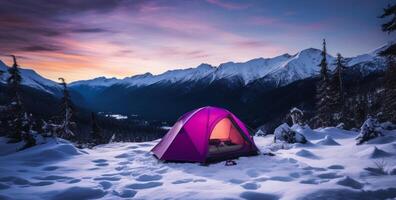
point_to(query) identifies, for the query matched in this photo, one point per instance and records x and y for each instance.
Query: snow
(117, 116)
(283, 69)
(32, 79)
(57, 170)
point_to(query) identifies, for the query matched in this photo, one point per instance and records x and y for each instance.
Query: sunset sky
(86, 39)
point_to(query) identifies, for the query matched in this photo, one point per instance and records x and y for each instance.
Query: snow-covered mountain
(282, 70)
(32, 79)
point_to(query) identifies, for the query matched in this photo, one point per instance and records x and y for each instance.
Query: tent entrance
(225, 138)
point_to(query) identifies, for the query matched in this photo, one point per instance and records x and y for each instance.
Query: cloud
(229, 4)
(40, 25)
(36, 48)
(90, 30)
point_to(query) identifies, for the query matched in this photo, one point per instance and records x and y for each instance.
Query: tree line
(334, 105)
(19, 125)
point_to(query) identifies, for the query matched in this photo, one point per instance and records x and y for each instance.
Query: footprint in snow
(107, 178)
(147, 178)
(336, 167)
(329, 175)
(281, 178)
(145, 145)
(314, 168)
(99, 161)
(125, 173)
(257, 195)
(139, 186)
(125, 193)
(102, 164)
(236, 181)
(314, 181)
(105, 184)
(50, 168)
(138, 151)
(42, 183)
(123, 155)
(199, 180)
(112, 174)
(124, 162)
(294, 175)
(161, 171)
(182, 181)
(251, 186)
(252, 173)
(261, 179)
(74, 181)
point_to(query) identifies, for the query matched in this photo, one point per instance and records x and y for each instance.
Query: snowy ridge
(282, 70)
(32, 79)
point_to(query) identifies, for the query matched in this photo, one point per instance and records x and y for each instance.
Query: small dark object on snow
(269, 154)
(230, 163)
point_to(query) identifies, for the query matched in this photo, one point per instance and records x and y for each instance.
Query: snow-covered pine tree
(369, 130)
(337, 91)
(28, 134)
(389, 11)
(297, 116)
(323, 107)
(389, 100)
(67, 111)
(96, 134)
(14, 110)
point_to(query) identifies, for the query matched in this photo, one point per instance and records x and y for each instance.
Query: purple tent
(206, 134)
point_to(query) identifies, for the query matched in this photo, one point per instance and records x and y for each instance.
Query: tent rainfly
(204, 135)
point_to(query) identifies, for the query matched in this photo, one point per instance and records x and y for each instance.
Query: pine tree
(337, 91)
(15, 108)
(389, 99)
(96, 134)
(323, 108)
(390, 25)
(67, 110)
(15, 79)
(27, 131)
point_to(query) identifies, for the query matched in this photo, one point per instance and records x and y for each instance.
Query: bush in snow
(369, 130)
(285, 134)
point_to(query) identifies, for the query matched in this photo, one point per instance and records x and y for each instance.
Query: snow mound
(375, 152)
(350, 182)
(329, 141)
(51, 151)
(307, 154)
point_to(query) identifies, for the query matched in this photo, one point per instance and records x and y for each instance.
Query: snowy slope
(320, 169)
(31, 78)
(283, 69)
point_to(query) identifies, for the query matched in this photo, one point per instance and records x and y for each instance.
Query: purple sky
(85, 39)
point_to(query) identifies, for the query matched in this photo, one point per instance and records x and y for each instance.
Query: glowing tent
(206, 134)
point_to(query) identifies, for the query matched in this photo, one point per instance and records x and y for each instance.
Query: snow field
(331, 165)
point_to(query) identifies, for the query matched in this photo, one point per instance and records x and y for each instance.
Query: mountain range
(256, 89)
